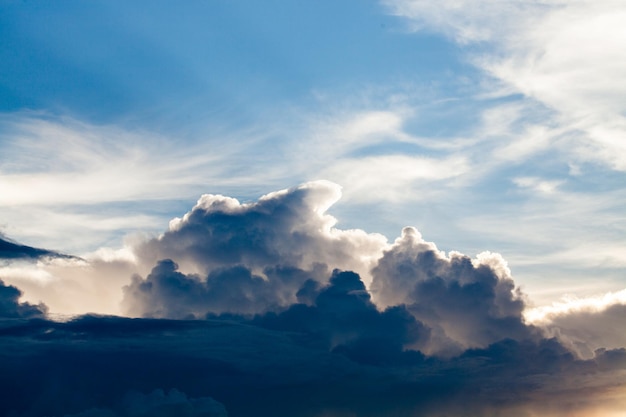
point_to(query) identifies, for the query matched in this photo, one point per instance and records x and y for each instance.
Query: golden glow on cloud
(568, 305)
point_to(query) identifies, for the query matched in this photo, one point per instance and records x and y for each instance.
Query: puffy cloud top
(284, 228)
(468, 303)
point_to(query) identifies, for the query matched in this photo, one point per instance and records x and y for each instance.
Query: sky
(389, 207)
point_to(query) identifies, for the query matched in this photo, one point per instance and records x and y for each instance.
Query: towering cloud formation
(248, 258)
(285, 228)
(275, 256)
(468, 303)
(293, 317)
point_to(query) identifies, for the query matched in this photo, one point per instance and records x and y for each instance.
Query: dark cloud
(160, 404)
(166, 292)
(10, 307)
(224, 256)
(88, 367)
(11, 250)
(344, 320)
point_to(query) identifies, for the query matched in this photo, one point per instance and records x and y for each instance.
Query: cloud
(72, 285)
(284, 324)
(270, 239)
(166, 292)
(12, 250)
(89, 365)
(397, 177)
(158, 403)
(585, 325)
(10, 307)
(288, 228)
(55, 170)
(566, 55)
(97, 164)
(537, 184)
(468, 303)
(342, 317)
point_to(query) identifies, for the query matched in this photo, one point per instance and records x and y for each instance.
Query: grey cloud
(343, 319)
(10, 250)
(160, 404)
(224, 256)
(466, 303)
(10, 307)
(586, 330)
(339, 315)
(166, 292)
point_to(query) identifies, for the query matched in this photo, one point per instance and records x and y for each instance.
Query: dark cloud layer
(159, 404)
(92, 365)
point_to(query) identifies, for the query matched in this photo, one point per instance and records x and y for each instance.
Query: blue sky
(488, 126)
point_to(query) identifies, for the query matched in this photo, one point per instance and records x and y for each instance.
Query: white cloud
(74, 186)
(537, 184)
(571, 304)
(394, 178)
(567, 55)
(68, 162)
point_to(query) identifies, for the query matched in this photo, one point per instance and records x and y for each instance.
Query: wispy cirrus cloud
(566, 55)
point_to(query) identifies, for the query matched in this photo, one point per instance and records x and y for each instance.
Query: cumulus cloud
(268, 248)
(468, 303)
(295, 317)
(342, 317)
(166, 292)
(255, 258)
(288, 227)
